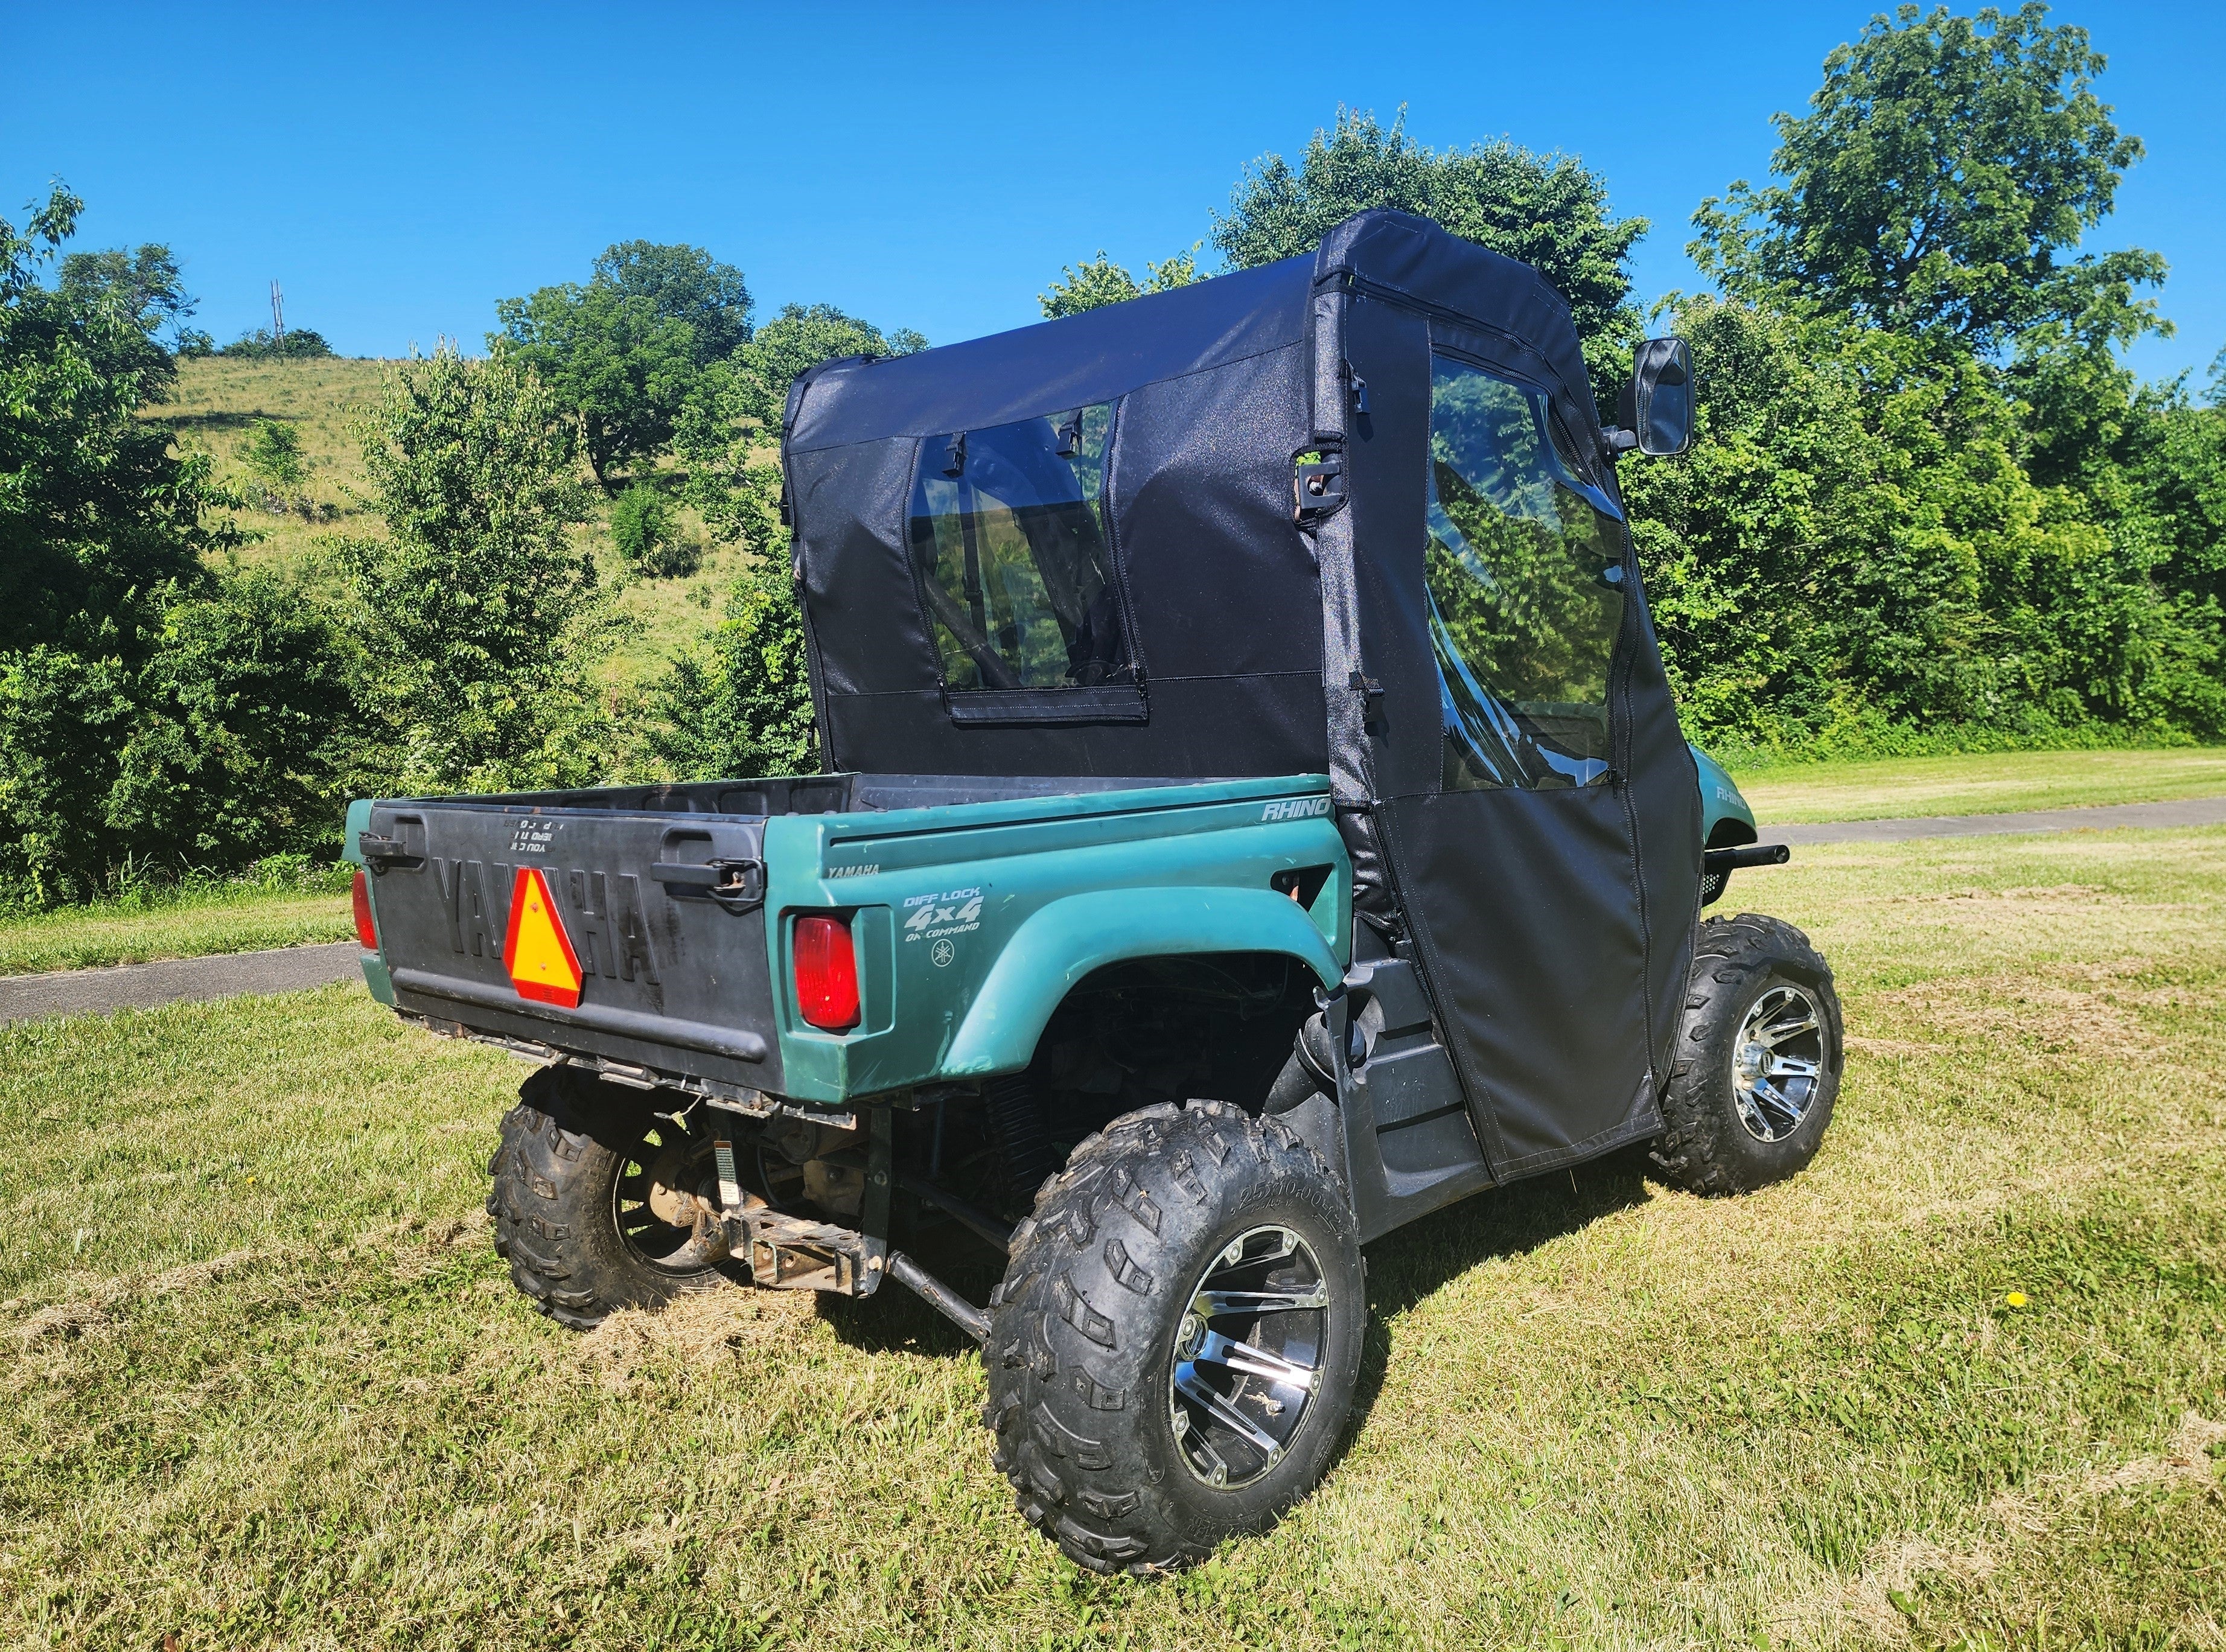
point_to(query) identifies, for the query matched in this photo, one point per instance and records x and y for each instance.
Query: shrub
(230, 742)
(244, 730)
(300, 344)
(641, 526)
(272, 453)
(741, 704)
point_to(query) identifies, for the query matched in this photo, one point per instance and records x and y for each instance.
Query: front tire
(1758, 1062)
(595, 1201)
(1172, 1351)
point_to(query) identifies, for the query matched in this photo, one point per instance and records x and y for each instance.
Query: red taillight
(365, 930)
(826, 974)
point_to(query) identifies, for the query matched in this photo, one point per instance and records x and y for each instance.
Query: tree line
(1928, 505)
(163, 705)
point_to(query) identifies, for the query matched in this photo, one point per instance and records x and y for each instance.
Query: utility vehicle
(1256, 817)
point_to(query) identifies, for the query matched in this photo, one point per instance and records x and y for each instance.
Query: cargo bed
(658, 893)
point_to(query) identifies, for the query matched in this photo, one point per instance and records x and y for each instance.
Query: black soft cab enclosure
(1352, 512)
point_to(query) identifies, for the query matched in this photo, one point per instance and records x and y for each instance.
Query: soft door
(1505, 617)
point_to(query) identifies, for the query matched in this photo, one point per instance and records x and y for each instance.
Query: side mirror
(1656, 413)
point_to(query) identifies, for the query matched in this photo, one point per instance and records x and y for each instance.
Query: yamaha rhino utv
(1255, 817)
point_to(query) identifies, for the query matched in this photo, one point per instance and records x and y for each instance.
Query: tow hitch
(792, 1253)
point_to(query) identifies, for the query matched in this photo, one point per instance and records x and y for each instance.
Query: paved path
(2185, 811)
(292, 969)
(142, 986)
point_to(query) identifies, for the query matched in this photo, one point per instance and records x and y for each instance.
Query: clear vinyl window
(1524, 569)
(1008, 533)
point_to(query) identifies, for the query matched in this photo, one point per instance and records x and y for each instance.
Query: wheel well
(1729, 833)
(1218, 1025)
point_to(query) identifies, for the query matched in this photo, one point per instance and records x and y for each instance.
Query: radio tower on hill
(277, 314)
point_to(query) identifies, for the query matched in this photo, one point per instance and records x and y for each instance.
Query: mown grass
(1996, 783)
(189, 924)
(266, 1384)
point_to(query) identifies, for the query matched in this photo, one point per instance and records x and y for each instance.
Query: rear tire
(1757, 1066)
(1129, 1435)
(583, 1177)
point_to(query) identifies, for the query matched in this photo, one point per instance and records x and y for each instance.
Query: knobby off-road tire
(573, 1152)
(1162, 1214)
(1741, 1111)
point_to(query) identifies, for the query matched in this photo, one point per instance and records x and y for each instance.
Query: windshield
(1524, 569)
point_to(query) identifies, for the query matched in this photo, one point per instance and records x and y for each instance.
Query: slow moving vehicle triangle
(537, 952)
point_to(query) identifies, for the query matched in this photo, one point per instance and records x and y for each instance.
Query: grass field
(265, 1383)
(1995, 784)
(216, 400)
(226, 918)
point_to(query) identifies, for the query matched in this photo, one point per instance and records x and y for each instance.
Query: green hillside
(218, 400)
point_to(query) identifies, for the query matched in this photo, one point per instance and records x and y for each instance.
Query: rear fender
(1063, 942)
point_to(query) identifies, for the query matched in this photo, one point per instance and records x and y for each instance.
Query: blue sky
(399, 168)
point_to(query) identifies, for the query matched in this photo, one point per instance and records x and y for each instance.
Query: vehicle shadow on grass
(1411, 1264)
(1403, 1268)
(894, 1320)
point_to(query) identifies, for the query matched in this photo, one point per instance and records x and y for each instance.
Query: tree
(300, 344)
(151, 710)
(1945, 168)
(683, 284)
(1547, 210)
(1853, 554)
(624, 351)
(98, 517)
(147, 286)
(1101, 282)
(272, 453)
(741, 704)
(479, 615)
(729, 430)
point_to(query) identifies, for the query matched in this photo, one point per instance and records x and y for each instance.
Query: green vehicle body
(1725, 819)
(973, 921)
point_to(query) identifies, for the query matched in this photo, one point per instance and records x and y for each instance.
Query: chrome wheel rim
(665, 1180)
(1247, 1356)
(1778, 1062)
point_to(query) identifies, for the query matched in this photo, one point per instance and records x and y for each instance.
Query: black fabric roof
(1104, 353)
(1406, 258)
(1094, 356)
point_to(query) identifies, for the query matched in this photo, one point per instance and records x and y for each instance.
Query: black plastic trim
(1113, 703)
(731, 1042)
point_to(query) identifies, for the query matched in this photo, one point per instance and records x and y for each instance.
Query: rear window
(1009, 540)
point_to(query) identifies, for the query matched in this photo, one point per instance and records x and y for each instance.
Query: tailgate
(650, 948)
